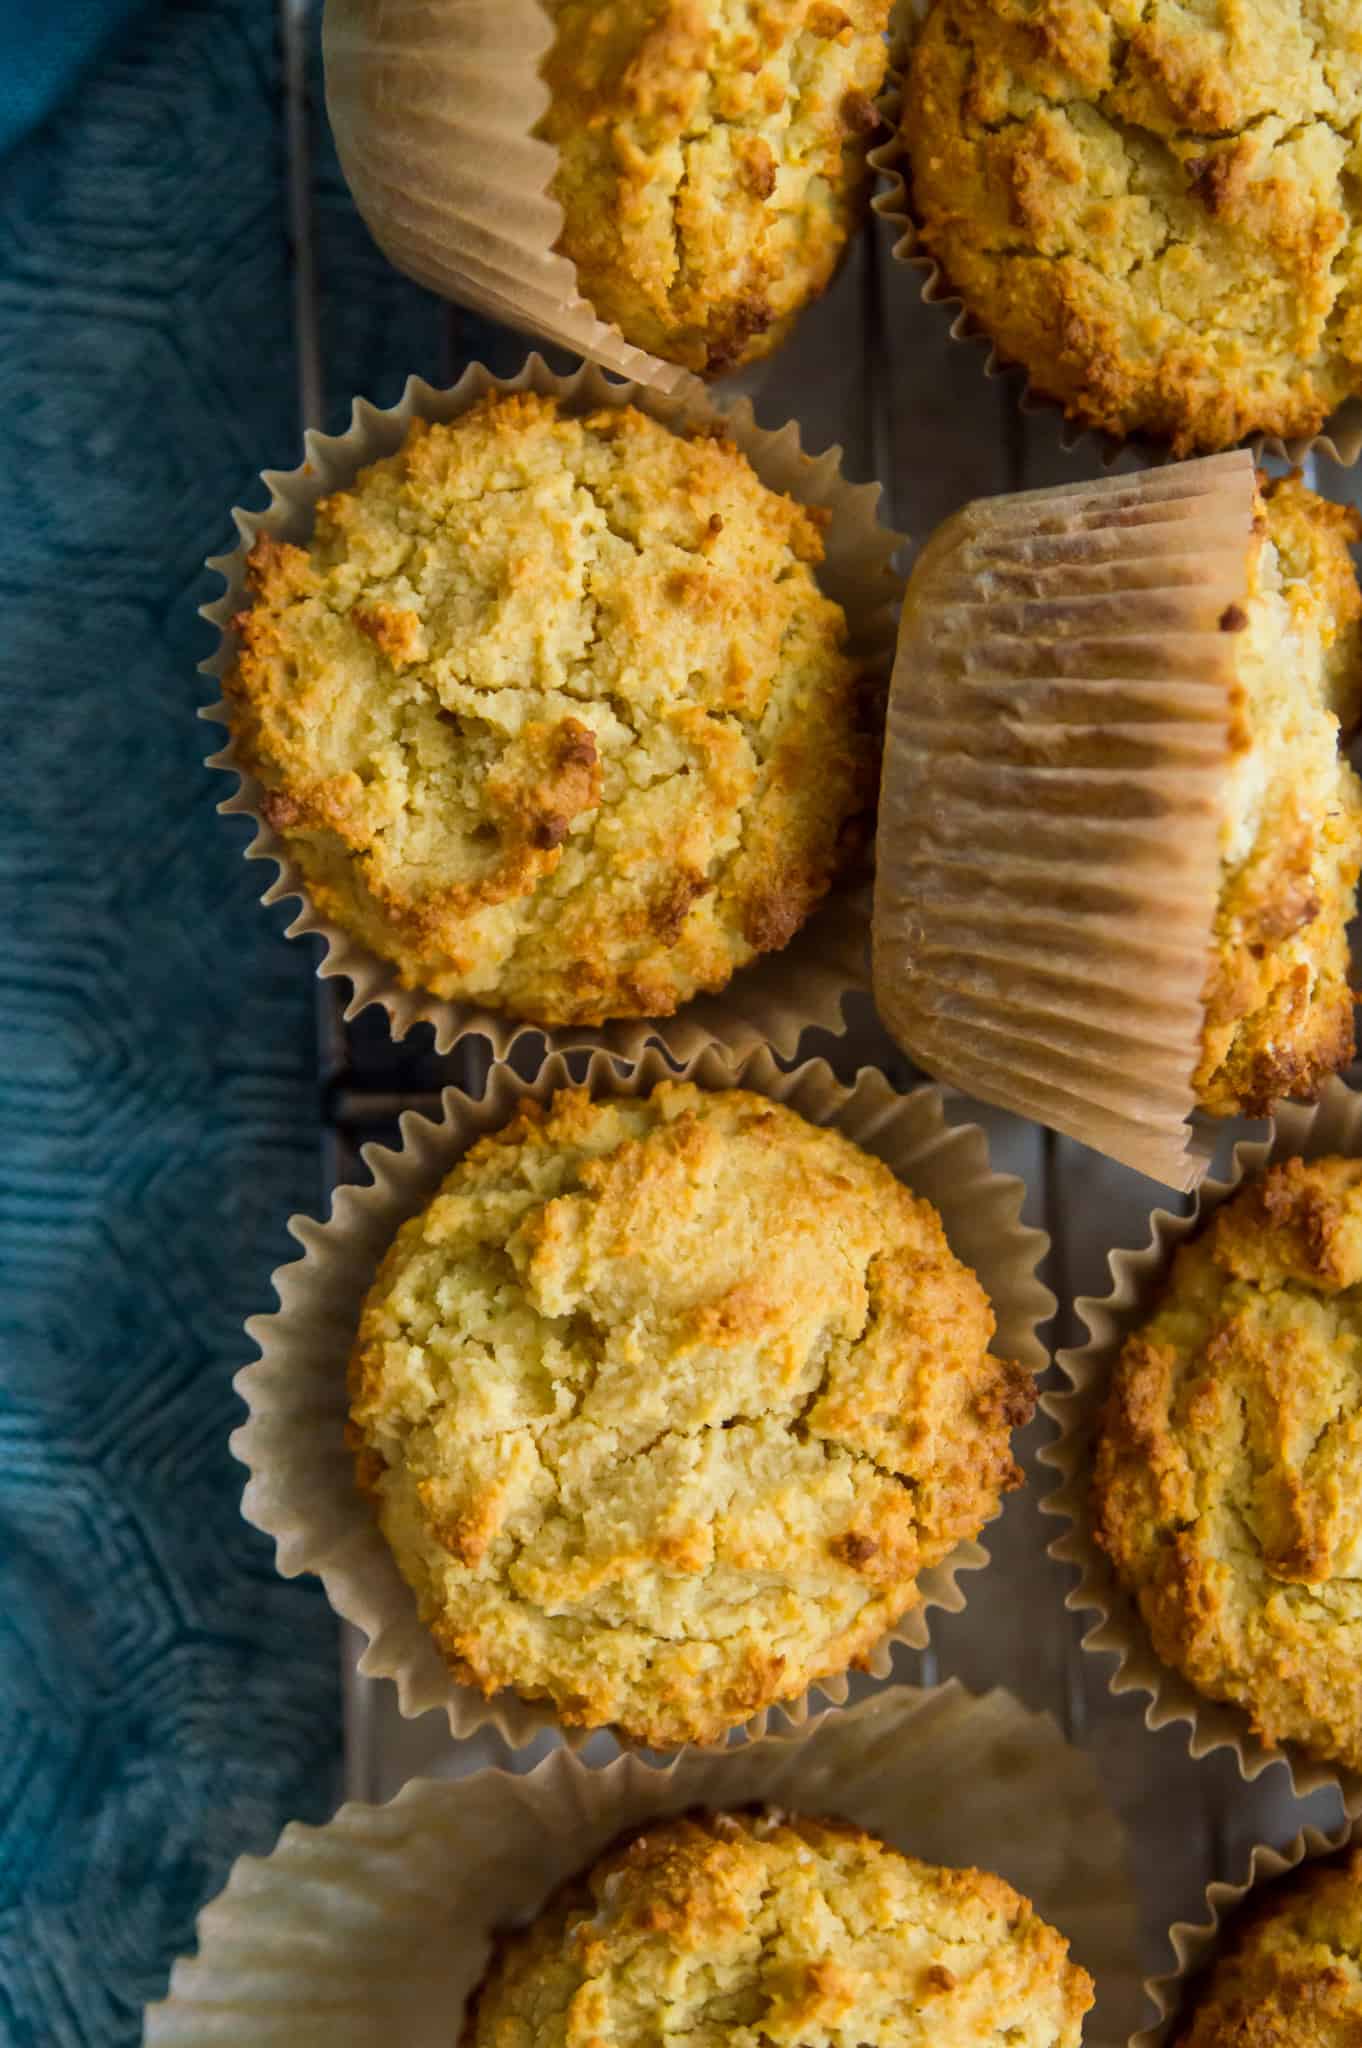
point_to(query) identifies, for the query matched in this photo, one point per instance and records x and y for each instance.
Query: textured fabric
(166, 1700)
(43, 52)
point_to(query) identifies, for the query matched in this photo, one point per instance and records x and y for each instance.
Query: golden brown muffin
(739, 1928)
(1279, 1008)
(1228, 1481)
(1287, 1975)
(1154, 207)
(552, 711)
(711, 161)
(664, 1404)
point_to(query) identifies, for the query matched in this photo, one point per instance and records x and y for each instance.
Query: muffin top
(758, 1927)
(1279, 1007)
(1228, 1481)
(664, 1404)
(1153, 207)
(711, 161)
(553, 713)
(1287, 1974)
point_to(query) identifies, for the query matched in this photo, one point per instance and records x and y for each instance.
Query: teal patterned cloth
(166, 1701)
(45, 50)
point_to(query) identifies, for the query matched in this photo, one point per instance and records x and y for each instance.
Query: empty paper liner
(1055, 761)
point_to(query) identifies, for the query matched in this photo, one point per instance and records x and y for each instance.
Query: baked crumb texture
(1154, 206)
(1288, 1973)
(1228, 1479)
(552, 712)
(748, 1928)
(664, 1404)
(711, 161)
(1279, 1009)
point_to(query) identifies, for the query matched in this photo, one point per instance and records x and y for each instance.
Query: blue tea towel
(45, 47)
(166, 1700)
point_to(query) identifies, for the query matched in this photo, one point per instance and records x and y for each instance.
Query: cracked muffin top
(665, 1403)
(552, 712)
(739, 1928)
(1228, 1482)
(711, 161)
(1279, 1005)
(1289, 1970)
(1155, 206)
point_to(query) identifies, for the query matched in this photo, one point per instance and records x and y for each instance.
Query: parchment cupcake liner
(1056, 751)
(301, 1489)
(1194, 1943)
(1340, 439)
(433, 105)
(780, 994)
(379, 1925)
(1334, 1125)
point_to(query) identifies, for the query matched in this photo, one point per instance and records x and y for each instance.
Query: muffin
(1286, 1975)
(1227, 1487)
(665, 1402)
(1153, 208)
(711, 161)
(552, 712)
(1118, 845)
(744, 1927)
(1279, 1008)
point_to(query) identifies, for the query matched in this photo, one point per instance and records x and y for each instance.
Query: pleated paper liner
(301, 1489)
(779, 994)
(380, 1924)
(433, 104)
(1334, 1125)
(1341, 437)
(1194, 1944)
(1054, 773)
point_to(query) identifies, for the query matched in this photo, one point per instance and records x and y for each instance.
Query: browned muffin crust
(1227, 1485)
(738, 1928)
(1288, 1973)
(553, 714)
(666, 1404)
(1154, 208)
(711, 161)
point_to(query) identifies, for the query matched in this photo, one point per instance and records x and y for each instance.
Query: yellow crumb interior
(1278, 1002)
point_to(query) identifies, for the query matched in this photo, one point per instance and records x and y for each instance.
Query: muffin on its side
(1279, 1008)
(1153, 208)
(1118, 844)
(1287, 1972)
(664, 1405)
(746, 1927)
(552, 712)
(711, 161)
(1227, 1488)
